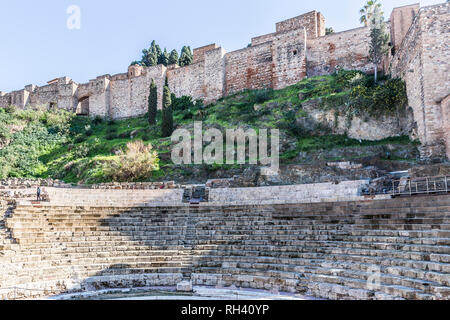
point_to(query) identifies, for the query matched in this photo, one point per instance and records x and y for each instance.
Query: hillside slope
(323, 118)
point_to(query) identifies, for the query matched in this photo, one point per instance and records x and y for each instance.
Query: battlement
(297, 49)
(199, 53)
(313, 22)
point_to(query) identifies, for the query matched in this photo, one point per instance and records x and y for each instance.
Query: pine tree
(173, 58)
(152, 103)
(167, 116)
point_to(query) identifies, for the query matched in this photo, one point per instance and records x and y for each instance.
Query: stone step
(393, 290)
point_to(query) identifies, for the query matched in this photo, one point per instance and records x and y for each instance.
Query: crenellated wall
(299, 48)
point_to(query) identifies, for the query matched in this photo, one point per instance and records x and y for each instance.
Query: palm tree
(368, 10)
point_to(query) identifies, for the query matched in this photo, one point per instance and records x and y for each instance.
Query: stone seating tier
(328, 250)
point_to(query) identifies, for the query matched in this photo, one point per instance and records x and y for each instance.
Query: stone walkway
(169, 293)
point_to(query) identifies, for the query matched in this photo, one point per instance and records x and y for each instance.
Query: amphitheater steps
(326, 248)
(394, 290)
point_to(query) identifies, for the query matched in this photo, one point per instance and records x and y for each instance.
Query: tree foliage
(167, 116)
(154, 56)
(152, 103)
(186, 57)
(367, 12)
(373, 17)
(173, 57)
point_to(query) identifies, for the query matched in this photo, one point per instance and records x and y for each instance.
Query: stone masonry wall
(435, 25)
(423, 63)
(401, 20)
(249, 68)
(288, 54)
(299, 48)
(445, 104)
(312, 21)
(347, 49)
(199, 53)
(188, 81)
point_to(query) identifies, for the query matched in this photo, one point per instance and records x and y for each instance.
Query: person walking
(38, 193)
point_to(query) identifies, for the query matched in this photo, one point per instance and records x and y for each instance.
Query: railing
(428, 185)
(410, 186)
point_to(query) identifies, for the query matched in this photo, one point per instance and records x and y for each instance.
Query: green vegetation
(54, 143)
(167, 115)
(372, 16)
(154, 56)
(152, 103)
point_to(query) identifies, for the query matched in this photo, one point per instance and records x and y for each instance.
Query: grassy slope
(59, 145)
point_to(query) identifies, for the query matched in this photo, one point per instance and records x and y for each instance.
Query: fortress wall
(139, 92)
(249, 68)
(422, 62)
(401, 20)
(313, 22)
(445, 105)
(214, 74)
(188, 81)
(347, 49)
(276, 60)
(45, 95)
(435, 28)
(288, 54)
(199, 53)
(262, 39)
(99, 100)
(120, 98)
(67, 96)
(157, 73)
(5, 100)
(407, 64)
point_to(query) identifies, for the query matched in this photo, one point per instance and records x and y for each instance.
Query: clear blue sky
(36, 45)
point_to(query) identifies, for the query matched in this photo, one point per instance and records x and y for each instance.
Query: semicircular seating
(385, 249)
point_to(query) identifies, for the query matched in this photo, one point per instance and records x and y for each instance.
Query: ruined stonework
(299, 48)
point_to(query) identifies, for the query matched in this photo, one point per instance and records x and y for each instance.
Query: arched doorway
(83, 107)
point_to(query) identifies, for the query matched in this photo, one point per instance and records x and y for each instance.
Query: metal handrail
(427, 185)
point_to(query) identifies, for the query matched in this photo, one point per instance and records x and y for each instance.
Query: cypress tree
(186, 57)
(173, 58)
(163, 58)
(167, 117)
(152, 103)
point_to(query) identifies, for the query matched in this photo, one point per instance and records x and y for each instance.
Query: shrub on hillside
(138, 163)
(182, 103)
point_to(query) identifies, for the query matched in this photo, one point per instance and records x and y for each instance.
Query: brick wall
(249, 68)
(401, 20)
(297, 49)
(445, 105)
(423, 63)
(313, 22)
(188, 81)
(199, 53)
(348, 49)
(214, 74)
(288, 52)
